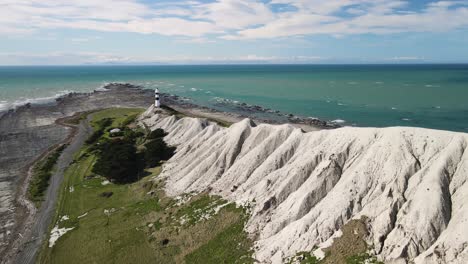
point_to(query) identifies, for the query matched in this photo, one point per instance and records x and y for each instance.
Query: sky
(71, 32)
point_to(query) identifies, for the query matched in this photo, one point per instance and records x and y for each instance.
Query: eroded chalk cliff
(411, 184)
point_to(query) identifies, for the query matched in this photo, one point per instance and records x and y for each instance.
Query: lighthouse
(157, 102)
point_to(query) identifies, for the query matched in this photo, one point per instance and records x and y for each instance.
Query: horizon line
(232, 64)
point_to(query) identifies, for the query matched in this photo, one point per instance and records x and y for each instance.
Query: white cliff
(411, 183)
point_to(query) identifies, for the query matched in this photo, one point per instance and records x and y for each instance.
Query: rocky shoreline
(256, 112)
(29, 131)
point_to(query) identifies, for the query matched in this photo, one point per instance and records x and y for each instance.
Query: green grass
(141, 221)
(117, 117)
(349, 248)
(42, 173)
(120, 116)
(78, 117)
(230, 246)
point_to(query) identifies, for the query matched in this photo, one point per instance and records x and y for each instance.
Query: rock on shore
(410, 183)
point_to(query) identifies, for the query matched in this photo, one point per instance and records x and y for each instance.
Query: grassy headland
(136, 222)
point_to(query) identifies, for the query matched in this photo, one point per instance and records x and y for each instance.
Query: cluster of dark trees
(156, 149)
(119, 161)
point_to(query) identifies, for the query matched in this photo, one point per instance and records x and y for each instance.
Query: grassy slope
(145, 225)
(350, 248)
(42, 172)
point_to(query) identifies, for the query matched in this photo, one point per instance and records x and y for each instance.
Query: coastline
(33, 121)
(33, 118)
(30, 131)
(37, 220)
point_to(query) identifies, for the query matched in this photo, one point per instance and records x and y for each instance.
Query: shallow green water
(434, 96)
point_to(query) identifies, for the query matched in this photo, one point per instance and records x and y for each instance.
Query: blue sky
(38, 32)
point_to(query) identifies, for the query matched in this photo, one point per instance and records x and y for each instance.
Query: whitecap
(406, 119)
(338, 121)
(102, 88)
(4, 105)
(40, 100)
(194, 89)
(394, 108)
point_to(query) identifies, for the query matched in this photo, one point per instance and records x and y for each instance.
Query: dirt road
(39, 220)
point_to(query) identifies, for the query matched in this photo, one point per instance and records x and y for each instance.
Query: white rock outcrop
(411, 183)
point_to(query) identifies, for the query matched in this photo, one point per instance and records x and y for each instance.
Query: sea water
(432, 96)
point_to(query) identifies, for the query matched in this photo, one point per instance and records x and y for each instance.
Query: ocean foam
(339, 121)
(102, 88)
(6, 105)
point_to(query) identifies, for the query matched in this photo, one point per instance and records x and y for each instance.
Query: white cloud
(232, 19)
(234, 14)
(60, 58)
(73, 58)
(380, 17)
(407, 58)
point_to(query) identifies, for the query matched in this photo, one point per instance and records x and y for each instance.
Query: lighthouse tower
(157, 102)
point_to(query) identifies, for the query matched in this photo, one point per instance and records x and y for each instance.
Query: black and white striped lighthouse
(157, 102)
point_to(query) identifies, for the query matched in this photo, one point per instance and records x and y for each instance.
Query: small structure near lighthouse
(157, 101)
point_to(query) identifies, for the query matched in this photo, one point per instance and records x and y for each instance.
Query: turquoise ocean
(432, 96)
